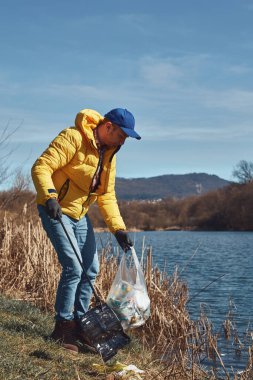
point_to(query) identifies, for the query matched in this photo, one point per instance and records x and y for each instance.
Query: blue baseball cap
(124, 119)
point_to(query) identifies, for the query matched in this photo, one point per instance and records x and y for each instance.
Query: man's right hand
(53, 208)
(123, 239)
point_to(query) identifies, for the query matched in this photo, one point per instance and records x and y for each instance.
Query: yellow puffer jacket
(66, 168)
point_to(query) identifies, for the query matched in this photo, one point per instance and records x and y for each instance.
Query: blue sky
(184, 68)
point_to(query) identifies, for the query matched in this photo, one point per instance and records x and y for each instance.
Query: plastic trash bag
(128, 295)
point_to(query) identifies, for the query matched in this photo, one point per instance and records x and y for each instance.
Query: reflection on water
(203, 257)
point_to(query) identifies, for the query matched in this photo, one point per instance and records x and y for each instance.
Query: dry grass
(29, 270)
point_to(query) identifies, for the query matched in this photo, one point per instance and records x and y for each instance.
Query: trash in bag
(128, 296)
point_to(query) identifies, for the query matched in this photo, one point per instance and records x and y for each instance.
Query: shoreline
(173, 228)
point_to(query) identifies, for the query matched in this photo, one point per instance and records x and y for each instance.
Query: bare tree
(15, 185)
(6, 151)
(243, 171)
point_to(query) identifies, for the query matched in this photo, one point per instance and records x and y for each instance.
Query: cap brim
(131, 133)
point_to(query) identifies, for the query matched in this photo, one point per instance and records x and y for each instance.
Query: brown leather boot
(86, 343)
(65, 332)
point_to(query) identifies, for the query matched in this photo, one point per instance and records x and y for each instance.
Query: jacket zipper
(107, 177)
(88, 196)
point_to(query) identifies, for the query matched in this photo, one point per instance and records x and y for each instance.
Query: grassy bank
(169, 346)
(26, 353)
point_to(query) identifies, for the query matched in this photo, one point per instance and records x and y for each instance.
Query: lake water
(227, 254)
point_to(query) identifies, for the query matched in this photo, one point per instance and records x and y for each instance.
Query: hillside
(171, 185)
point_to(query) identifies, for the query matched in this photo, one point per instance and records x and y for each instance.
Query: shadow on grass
(39, 354)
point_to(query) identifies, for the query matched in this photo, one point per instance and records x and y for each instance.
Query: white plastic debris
(121, 371)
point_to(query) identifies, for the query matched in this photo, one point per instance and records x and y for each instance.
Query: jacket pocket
(63, 191)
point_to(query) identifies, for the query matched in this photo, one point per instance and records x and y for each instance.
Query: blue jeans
(74, 292)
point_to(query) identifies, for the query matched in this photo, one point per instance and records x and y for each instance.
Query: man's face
(114, 136)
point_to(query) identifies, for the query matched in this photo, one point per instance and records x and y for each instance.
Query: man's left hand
(123, 239)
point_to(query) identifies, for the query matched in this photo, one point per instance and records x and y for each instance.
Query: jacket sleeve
(108, 204)
(58, 154)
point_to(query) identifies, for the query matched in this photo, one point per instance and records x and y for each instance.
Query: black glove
(53, 208)
(123, 239)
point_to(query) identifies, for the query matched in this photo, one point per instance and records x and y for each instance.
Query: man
(77, 169)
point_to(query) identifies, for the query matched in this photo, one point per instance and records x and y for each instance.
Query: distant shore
(174, 228)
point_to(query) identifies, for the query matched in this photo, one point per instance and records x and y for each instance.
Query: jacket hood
(87, 120)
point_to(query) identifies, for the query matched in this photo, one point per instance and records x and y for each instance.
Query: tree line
(229, 208)
(226, 209)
